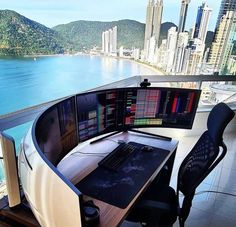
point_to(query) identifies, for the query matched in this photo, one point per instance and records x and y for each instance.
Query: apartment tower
(153, 24)
(183, 15)
(202, 22)
(225, 30)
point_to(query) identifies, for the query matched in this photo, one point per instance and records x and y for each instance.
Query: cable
(119, 141)
(224, 193)
(99, 154)
(111, 140)
(89, 154)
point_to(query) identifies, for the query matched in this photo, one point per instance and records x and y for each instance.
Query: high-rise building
(193, 57)
(180, 51)
(222, 44)
(149, 23)
(232, 65)
(202, 22)
(171, 48)
(226, 5)
(161, 55)
(153, 24)
(183, 15)
(109, 41)
(114, 40)
(103, 42)
(157, 17)
(151, 49)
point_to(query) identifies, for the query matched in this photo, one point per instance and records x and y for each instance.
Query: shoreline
(155, 70)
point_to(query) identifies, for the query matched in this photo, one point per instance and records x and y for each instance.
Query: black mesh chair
(159, 206)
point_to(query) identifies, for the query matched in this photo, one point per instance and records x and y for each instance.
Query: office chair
(159, 206)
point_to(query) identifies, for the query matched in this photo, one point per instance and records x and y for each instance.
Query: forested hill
(22, 36)
(86, 34)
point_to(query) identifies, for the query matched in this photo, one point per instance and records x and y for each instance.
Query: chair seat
(157, 205)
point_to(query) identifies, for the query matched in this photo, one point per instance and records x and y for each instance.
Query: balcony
(209, 209)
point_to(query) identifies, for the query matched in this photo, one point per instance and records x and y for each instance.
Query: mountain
(86, 34)
(22, 36)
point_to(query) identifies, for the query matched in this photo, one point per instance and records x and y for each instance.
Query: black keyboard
(114, 160)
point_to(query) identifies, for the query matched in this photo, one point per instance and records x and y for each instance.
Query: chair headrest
(218, 119)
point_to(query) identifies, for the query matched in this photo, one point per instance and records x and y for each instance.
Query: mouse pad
(119, 187)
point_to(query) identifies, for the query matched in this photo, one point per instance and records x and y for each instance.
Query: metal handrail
(20, 117)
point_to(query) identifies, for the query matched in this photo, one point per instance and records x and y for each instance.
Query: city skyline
(186, 52)
(51, 13)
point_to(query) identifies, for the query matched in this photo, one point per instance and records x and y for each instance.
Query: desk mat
(118, 188)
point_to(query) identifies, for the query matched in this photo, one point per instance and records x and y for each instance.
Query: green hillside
(86, 34)
(22, 36)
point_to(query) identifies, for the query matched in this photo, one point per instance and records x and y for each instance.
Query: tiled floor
(210, 209)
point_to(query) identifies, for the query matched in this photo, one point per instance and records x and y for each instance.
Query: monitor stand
(151, 134)
(104, 137)
(133, 130)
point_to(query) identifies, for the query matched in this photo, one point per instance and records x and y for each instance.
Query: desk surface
(84, 158)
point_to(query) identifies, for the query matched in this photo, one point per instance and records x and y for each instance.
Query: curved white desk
(84, 158)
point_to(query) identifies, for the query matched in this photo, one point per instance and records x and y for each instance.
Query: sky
(54, 12)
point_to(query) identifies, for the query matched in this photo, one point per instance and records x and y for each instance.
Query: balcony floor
(210, 209)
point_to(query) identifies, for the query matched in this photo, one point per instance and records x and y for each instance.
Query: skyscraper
(149, 23)
(171, 48)
(109, 41)
(157, 17)
(183, 15)
(182, 43)
(222, 45)
(153, 24)
(226, 5)
(202, 22)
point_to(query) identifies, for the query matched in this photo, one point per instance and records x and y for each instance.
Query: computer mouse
(147, 149)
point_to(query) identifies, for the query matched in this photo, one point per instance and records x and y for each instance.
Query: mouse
(147, 149)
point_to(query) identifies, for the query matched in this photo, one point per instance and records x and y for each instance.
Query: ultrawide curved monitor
(84, 116)
(121, 109)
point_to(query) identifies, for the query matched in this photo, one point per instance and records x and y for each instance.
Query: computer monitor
(122, 109)
(99, 112)
(56, 130)
(160, 107)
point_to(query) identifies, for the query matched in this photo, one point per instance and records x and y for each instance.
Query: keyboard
(115, 159)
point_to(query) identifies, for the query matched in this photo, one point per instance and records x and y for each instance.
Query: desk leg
(165, 174)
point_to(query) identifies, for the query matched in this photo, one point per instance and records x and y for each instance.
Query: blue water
(25, 82)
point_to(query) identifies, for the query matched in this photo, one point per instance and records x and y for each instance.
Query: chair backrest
(204, 155)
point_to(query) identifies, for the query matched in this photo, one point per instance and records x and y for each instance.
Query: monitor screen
(56, 131)
(160, 107)
(120, 109)
(99, 112)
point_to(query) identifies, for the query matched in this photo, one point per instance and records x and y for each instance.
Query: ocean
(29, 81)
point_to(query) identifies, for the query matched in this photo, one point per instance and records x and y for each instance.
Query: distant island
(21, 36)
